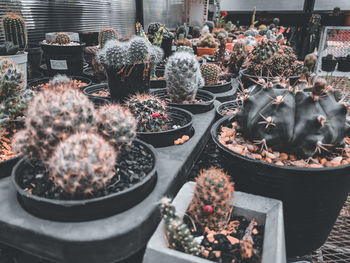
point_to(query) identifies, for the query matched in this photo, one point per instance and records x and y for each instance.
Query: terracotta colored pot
(218, 29)
(201, 51)
(347, 19)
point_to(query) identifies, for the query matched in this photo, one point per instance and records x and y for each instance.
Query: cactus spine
(105, 35)
(210, 73)
(15, 29)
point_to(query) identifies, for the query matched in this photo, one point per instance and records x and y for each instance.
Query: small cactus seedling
(178, 235)
(116, 124)
(105, 35)
(183, 77)
(150, 112)
(82, 164)
(211, 204)
(11, 79)
(62, 38)
(15, 29)
(210, 73)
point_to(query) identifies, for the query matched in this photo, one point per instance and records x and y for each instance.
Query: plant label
(58, 64)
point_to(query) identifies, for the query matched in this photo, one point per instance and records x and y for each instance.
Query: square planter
(266, 211)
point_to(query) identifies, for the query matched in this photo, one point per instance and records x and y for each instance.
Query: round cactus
(183, 77)
(310, 62)
(114, 55)
(62, 38)
(290, 120)
(11, 79)
(185, 49)
(82, 164)
(150, 112)
(213, 188)
(116, 124)
(139, 50)
(153, 28)
(210, 73)
(52, 116)
(105, 35)
(15, 29)
(196, 32)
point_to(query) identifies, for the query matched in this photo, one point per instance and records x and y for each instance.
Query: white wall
(263, 5)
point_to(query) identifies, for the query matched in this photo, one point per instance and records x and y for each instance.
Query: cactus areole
(294, 121)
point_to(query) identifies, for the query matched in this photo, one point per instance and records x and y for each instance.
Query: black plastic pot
(247, 79)
(34, 56)
(64, 59)
(136, 82)
(157, 83)
(88, 91)
(166, 46)
(166, 138)
(89, 73)
(207, 103)
(343, 64)
(226, 106)
(84, 210)
(312, 197)
(6, 167)
(328, 65)
(35, 75)
(36, 82)
(218, 88)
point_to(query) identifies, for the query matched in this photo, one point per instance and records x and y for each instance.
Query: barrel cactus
(105, 35)
(211, 203)
(177, 232)
(116, 124)
(150, 112)
(210, 73)
(15, 29)
(183, 77)
(291, 120)
(196, 32)
(310, 62)
(114, 55)
(11, 78)
(82, 164)
(138, 50)
(62, 38)
(207, 40)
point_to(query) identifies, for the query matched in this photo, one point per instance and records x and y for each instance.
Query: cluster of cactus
(238, 55)
(77, 143)
(211, 203)
(183, 77)
(292, 120)
(207, 40)
(62, 38)
(210, 73)
(178, 234)
(15, 29)
(8, 49)
(105, 35)
(196, 32)
(149, 111)
(82, 164)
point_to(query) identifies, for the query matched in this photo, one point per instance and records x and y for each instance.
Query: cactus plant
(150, 112)
(156, 56)
(294, 121)
(207, 40)
(253, 22)
(15, 29)
(153, 28)
(178, 235)
(185, 49)
(310, 62)
(53, 115)
(114, 55)
(116, 124)
(181, 30)
(210, 73)
(11, 78)
(183, 77)
(138, 50)
(196, 32)
(8, 48)
(16, 105)
(62, 38)
(229, 26)
(221, 53)
(158, 37)
(82, 164)
(105, 35)
(237, 57)
(211, 203)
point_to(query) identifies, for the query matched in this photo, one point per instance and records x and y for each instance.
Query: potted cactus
(220, 225)
(128, 66)
(344, 63)
(167, 37)
(329, 63)
(237, 57)
(63, 56)
(13, 102)
(157, 123)
(221, 53)
(15, 32)
(291, 143)
(76, 165)
(206, 45)
(196, 32)
(213, 82)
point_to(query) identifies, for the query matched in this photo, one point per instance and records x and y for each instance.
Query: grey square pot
(265, 210)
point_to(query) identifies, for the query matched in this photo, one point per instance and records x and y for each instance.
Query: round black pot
(157, 83)
(312, 197)
(36, 82)
(218, 88)
(6, 167)
(64, 59)
(207, 103)
(225, 106)
(328, 65)
(167, 138)
(343, 64)
(89, 73)
(247, 79)
(88, 91)
(84, 210)
(34, 56)
(136, 82)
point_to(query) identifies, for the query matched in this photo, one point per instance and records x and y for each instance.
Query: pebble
(337, 160)
(279, 163)
(284, 156)
(232, 240)
(315, 165)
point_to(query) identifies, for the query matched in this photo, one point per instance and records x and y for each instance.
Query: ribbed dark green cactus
(294, 121)
(210, 73)
(105, 35)
(15, 29)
